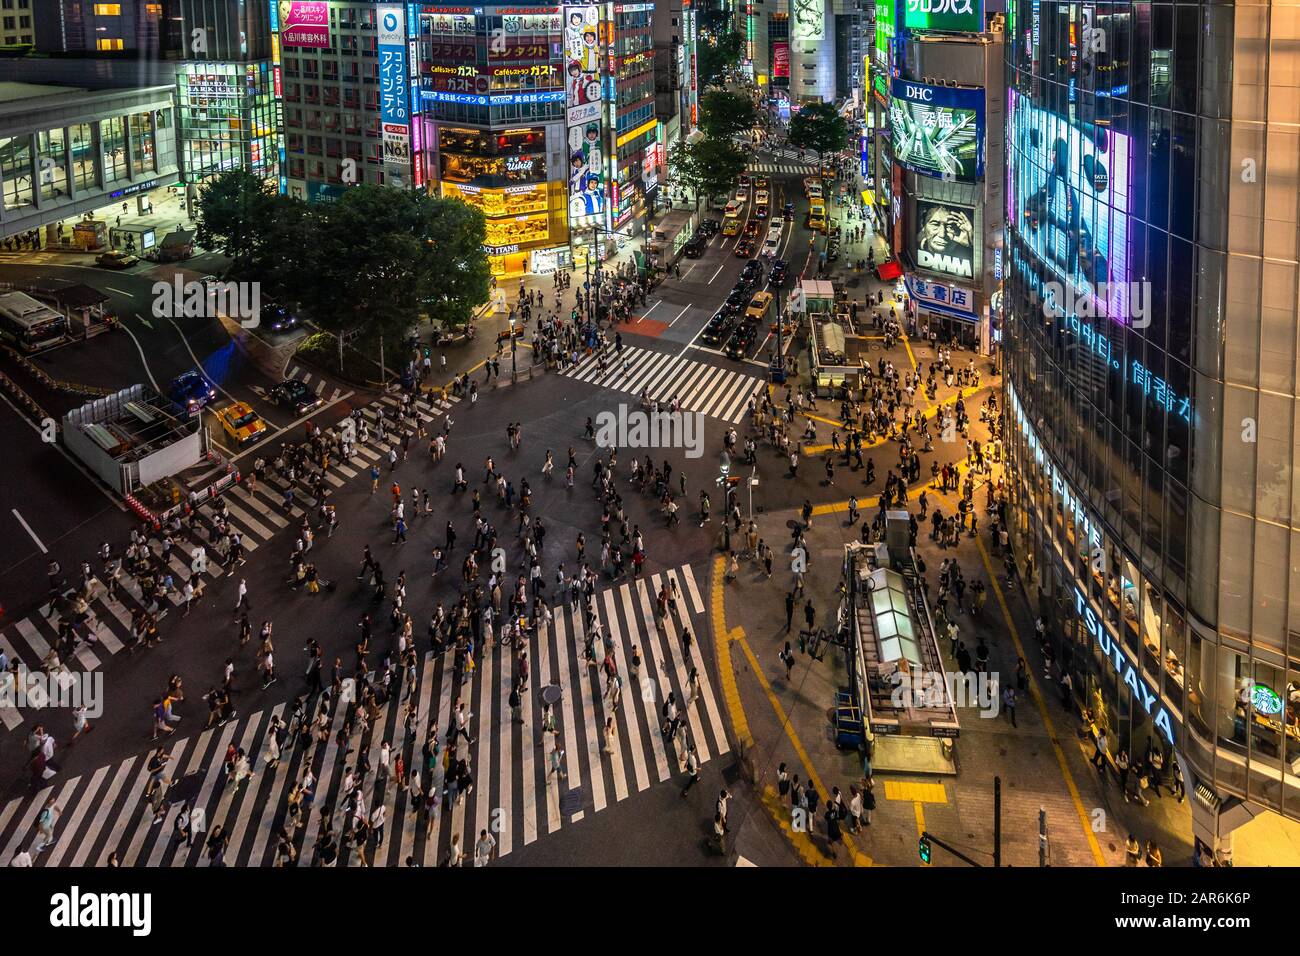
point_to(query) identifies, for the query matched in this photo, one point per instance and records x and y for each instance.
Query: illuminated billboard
(946, 16)
(583, 125)
(944, 240)
(938, 130)
(305, 23)
(1069, 196)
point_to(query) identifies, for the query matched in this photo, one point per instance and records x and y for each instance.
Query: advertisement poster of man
(945, 238)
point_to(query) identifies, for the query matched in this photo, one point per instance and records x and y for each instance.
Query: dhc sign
(1128, 674)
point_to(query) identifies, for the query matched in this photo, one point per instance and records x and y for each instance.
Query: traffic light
(924, 849)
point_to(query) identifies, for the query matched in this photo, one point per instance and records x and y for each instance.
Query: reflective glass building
(1150, 353)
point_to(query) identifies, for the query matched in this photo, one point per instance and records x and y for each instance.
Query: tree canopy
(819, 127)
(707, 166)
(725, 115)
(366, 266)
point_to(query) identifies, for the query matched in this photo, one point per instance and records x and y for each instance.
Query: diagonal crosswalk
(709, 389)
(515, 796)
(257, 513)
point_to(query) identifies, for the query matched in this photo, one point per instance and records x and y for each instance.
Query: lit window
(108, 9)
(104, 43)
(154, 9)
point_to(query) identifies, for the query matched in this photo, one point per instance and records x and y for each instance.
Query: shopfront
(1124, 648)
(504, 173)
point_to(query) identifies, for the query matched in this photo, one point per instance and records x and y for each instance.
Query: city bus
(28, 324)
(817, 216)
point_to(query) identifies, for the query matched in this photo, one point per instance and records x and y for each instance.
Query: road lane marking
(23, 521)
(679, 315)
(715, 275)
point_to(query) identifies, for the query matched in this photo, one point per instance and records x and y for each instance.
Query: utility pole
(1042, 836)
(997, 822)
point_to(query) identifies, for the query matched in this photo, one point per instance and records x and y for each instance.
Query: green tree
(726, 115)
(819, 127)
(233, 211)
(708, 166)
(716, 54)
(379, 257)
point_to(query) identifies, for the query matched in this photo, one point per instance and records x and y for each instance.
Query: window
(108, 9)
(103, 43)
(153, 9)
(16, 171)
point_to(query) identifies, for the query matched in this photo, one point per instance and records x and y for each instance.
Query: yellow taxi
(241, 424)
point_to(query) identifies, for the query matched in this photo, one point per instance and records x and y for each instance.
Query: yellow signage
(639, 131)
(511, 201)
(516, 231)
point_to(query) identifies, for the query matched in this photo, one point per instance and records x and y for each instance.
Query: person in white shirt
(483, 848)
(21, 859)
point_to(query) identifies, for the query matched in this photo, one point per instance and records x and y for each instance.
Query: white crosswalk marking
(106, 812)
(710, 389)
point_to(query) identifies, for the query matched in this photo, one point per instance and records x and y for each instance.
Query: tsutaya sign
(1109, 645)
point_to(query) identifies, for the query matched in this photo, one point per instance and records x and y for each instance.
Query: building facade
(17, 23)
(932, 150)
(1150, 195)
(65, 152)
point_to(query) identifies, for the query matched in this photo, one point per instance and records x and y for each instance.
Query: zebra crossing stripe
(433, 829)
(65, 839)
(164, 841)
(252, 525)
(633, 734)
(564, 662)
(100, 819)
(271, 805)
(144, 826)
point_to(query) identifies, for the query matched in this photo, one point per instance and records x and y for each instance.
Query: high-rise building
(932, 153)
(1151, 380)
(17, 23)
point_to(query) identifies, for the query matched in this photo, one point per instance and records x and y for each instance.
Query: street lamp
(514, 351)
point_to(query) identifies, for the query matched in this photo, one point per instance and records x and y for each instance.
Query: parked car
(190, 392)
(116, 260)
(710, 227)
(694, 247)
(295, 395)
(242, 425)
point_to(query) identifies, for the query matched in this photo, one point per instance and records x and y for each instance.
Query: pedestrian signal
(924, 850)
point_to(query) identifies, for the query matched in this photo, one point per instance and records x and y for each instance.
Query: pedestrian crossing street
(320, 386)
(797, 169)
(709, 389)
(257, 512)
(515, 796)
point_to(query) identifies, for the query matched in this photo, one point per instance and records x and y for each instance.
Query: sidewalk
(1042, 761)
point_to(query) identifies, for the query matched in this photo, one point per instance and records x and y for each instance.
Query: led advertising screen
(584, 127)
(938, 130)
(1069, 196)
(944, 240)
(947, 16)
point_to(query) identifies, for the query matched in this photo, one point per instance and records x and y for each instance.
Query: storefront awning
(868, 197)
(888, 271)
